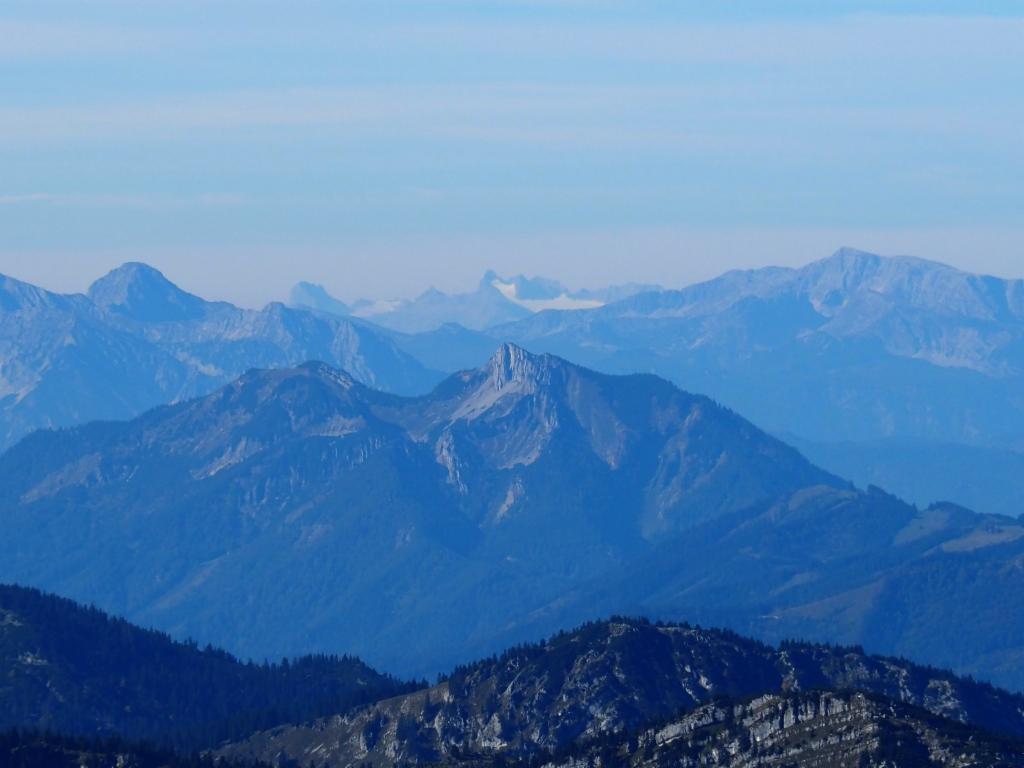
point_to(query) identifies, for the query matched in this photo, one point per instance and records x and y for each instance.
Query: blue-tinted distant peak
(847, 253)
(141, 292)
(315, 296)
(522, 288)
(850, 258)
(17, 295)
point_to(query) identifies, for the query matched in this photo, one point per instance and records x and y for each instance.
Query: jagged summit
(512, 364)
(141, 292)
(487, 281)
(511, 375)
(523, 288)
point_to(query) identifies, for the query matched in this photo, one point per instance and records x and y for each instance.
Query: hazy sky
(380, 147)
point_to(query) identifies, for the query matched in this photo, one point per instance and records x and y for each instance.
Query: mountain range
(514, 499)
(892, 371)
(857, 349)
(909, 322)
(83, 688)
(496, 300)
(135, 341)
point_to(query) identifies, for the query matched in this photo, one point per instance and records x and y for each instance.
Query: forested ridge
(21, 748)
(79, 671)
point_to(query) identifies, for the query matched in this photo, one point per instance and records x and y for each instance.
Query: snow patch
(562, 301)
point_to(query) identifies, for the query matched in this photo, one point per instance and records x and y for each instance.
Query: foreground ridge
(592, 691)
(798, 730)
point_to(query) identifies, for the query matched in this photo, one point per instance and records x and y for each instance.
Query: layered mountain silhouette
(887, 370)
(793, 348)
(496, 300)
(872, 353)
(137, 340)
(598, 691)
(517, 498)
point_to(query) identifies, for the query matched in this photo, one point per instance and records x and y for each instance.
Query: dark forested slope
(76, 670)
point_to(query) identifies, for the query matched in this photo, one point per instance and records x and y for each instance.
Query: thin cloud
(30, 40)
(35, 197)
(733, 117)
(141, 202)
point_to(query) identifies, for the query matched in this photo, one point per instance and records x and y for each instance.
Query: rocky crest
(607, 681)
(803, 730)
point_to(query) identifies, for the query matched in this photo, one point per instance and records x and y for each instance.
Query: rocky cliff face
(607, 681)
(802, 730)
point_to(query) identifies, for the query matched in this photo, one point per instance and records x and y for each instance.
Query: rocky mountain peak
(487, 281)
(141, 292)
(871, 286)
(315, 296)
(512, 365)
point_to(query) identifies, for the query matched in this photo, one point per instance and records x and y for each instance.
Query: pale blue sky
(380, 147)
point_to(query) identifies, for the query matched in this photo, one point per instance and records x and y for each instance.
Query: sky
(380, 148)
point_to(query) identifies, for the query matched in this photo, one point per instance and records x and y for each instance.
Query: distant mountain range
(496, 300)
(855, 347)
(82, 688)
(136, 341)
(890, 371)
(517, 498)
